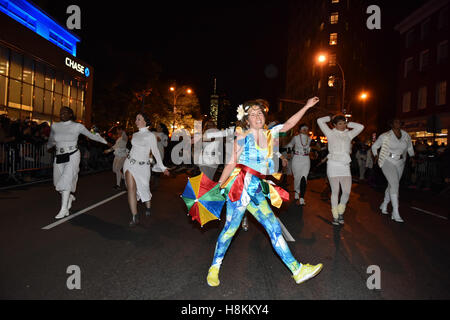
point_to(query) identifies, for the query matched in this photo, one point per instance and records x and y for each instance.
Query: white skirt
(300, 167)
(65, 175)
(338, 169)
(141, 175)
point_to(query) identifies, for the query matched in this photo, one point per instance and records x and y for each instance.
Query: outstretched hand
(311, 102)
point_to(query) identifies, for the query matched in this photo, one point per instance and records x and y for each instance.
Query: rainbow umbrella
(203, 199)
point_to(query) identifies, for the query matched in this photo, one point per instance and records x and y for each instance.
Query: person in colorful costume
(244, 182)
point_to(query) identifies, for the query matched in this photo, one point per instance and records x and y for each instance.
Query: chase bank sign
(77, 67)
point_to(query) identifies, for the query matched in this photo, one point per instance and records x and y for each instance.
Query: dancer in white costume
(300, 162)
(394, 145)
(120, 154)
(64, 135)
(137, 166)
(338, 164)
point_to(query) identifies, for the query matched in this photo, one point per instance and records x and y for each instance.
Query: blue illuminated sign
(37, 20)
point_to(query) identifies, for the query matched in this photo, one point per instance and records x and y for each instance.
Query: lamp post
(321, 59)
(176, 94)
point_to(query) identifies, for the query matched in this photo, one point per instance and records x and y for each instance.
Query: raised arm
(322, 122)
(87, 133)
(356, 129)
(292, 121)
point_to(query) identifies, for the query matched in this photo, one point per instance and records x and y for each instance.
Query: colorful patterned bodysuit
(253, 198)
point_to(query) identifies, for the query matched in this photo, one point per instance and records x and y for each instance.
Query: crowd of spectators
(15, 134)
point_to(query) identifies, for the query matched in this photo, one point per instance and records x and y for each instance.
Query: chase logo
(77, 67)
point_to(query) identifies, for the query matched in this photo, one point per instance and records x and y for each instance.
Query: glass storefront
(34, 90)
(426, 137)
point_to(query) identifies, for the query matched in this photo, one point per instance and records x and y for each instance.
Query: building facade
(423, 73)
(39, 70)
(335, 29)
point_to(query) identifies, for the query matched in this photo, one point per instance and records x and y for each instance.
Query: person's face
(341, 125)
(140, 121)
(304, 130)
(65, 114)
(256, 118)
(396, 124)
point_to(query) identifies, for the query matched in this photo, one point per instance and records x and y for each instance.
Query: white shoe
(397, 219)
(302, 202)
(62, 213)
(383, 208)
(69, 203)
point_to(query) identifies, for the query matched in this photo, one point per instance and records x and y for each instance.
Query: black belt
(65, 157)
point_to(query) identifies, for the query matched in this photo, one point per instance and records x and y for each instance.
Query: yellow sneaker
(306, 272)
(213, 276)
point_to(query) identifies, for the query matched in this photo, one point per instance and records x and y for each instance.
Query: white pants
(346, 185)
(393, 174)
(362, 168)
(300, 169)
(117, 168)
(65, 175)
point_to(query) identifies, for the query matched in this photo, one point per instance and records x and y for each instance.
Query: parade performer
(338, 161)
(120, 154)
(137, 166)
(394, 145)
(64, 135)
(300, 162)
(244, 182)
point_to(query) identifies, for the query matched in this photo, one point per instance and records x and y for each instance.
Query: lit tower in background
(214, 107)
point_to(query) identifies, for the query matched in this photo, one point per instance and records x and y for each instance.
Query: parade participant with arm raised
(244, 182)
(64, 136)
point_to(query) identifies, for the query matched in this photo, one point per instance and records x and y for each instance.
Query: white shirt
(142, 143)
(65, 134)
(120, 147)
(394, 146)
(339, 142)
(301, 144)
(163, 141)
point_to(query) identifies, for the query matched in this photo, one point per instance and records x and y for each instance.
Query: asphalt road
(167, 257)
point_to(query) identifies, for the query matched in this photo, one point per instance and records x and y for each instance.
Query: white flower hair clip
(241, 112)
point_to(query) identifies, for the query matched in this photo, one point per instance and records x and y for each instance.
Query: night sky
(241, 43)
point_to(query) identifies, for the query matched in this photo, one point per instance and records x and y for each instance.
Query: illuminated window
(334, 1)
(422, 98)
(331, 80)
(334, 18)
(406, 103)
(441, 91)
(322, 26)
(333, 39)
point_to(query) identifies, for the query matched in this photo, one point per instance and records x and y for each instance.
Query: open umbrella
(203, 199)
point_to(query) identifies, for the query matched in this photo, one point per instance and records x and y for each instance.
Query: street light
(176, 95)
(321, 59)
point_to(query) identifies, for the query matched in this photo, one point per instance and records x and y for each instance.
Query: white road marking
(430, 213)
(287, 236)
(50, 226)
